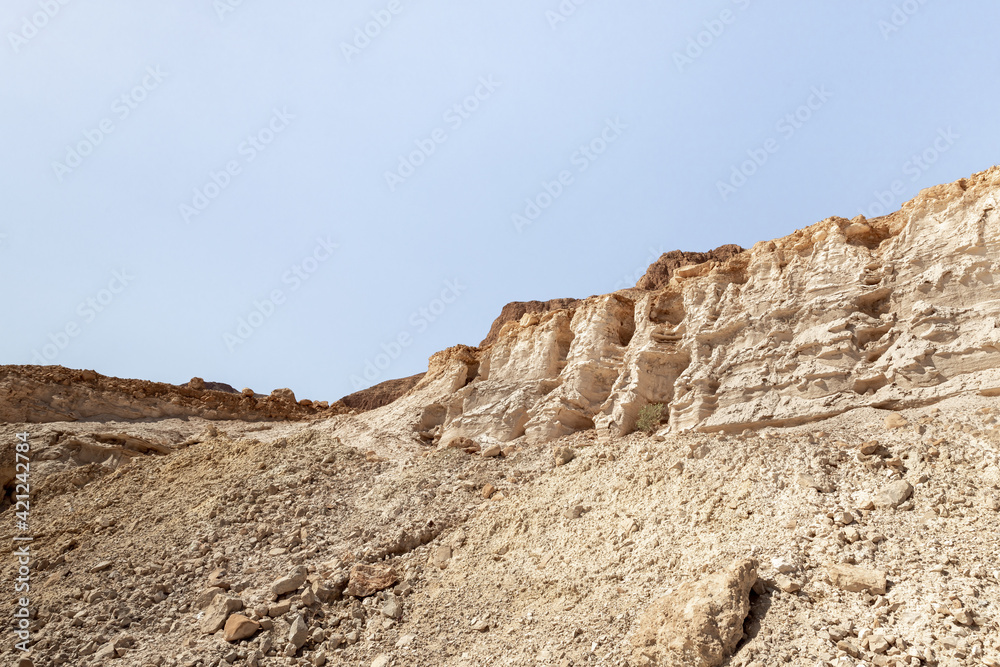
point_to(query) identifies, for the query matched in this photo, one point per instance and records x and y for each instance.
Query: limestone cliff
(891, 312)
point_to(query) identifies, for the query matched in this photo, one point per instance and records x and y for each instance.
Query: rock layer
(894, 312)
(43, 394)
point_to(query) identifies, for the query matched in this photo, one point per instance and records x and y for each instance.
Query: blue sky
(278, 195)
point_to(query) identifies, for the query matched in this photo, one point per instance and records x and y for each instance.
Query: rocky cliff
(41, 394)
(848, 522)
(898, 311)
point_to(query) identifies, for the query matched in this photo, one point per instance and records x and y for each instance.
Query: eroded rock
(700, 624)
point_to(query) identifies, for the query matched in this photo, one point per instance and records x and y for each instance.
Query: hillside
(823, 487)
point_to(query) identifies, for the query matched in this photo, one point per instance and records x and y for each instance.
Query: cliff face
(42, 394)
(893, 312)
(660, 272)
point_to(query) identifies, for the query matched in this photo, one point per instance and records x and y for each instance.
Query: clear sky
(287, 194)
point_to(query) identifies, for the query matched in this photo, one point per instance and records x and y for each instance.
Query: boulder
(893, 495)
(239, 627)
(217, 613)
(367, 580)
(700, 624)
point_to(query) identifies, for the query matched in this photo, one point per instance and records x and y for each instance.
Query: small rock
(392, 607)
(808, 482)
(488, 491)
(786, 584)
(783, 565)
(869, 448)
(963, 616)
(491, 451)
(298, 633)
(564, 455)
(462, 443)
(856, 579)
(844, 518)
(239, 627)
(849, 648)
(100, 567)
(205, 598)
(381, 661)
(877, 644)
(895, 420)
(290, 583)
(440, 557)
(217, 613)
(894, 494)
(279, 608)
(481, 626)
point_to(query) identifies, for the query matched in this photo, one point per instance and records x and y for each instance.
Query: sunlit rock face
(897, 311)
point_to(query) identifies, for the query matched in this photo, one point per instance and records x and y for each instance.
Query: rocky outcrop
(41, 394)
(660, 272)
(513, 312)
(893, 312)
(381, 394)
(701, 624)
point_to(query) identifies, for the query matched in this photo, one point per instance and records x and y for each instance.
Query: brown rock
(787, 584)
(659, 272)
(206, 596)
(381, 394)
(700, 624)
(462, 443)
(217, 613)
(488, 491)
(895, 420)
(285, 394)
(239, 627)
(292, 582)
(514, 311)
(856, 579)
(217, 579)
(564, 455)
(367, 580)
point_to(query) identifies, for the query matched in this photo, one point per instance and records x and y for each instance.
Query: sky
(321, 195)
